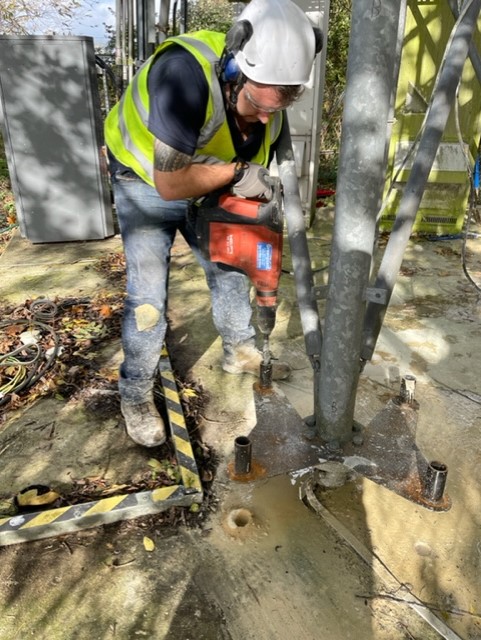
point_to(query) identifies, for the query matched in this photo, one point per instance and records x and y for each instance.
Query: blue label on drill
(264, 256)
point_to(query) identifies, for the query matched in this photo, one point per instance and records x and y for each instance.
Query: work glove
(254, 182)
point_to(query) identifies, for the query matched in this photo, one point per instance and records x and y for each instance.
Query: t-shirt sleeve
(178, 93)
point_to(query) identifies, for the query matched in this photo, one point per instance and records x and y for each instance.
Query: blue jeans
(148, 226)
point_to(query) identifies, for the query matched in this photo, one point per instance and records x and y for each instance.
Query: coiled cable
(25, 364)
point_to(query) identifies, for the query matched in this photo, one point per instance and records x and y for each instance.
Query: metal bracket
(385, 451)
(371, 294)
(376, 295)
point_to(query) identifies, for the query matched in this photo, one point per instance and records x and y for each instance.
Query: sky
(92, 24)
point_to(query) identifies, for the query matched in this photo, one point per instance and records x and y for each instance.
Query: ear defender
(231, 71)
(240, 33)
(235, 39)
(319, 39)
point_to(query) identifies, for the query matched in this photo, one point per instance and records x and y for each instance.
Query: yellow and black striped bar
(55, 522)
(180, 435)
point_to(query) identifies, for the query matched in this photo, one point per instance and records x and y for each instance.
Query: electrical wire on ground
(24, 364)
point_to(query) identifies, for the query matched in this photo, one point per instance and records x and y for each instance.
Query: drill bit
(266, 365)
(266, 354)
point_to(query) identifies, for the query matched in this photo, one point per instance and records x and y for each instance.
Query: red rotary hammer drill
(246, 235)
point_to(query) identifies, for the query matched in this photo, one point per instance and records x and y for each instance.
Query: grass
(328, 164)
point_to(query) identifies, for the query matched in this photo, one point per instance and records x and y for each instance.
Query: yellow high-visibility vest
(126, 126)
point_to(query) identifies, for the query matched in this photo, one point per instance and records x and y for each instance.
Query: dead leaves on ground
(154, 473)
(82, 327)
(112, 267)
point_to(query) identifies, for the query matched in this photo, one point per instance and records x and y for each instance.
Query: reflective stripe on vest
(211, 126)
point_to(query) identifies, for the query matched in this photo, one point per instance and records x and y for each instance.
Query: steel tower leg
(370, 82)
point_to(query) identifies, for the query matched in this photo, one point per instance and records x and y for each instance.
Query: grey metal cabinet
(51, 125)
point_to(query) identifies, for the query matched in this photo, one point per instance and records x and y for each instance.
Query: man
(202, 114)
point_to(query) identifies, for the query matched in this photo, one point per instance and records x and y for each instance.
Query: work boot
(247, 359)
(143, 422)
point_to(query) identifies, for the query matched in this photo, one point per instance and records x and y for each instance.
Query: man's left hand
(254, 182)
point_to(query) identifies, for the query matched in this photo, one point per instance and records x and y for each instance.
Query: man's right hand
(254, 182)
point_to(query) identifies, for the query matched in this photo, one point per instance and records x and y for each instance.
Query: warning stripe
(78, 516)
(171, 394)
(191, 480)
(46, 517)
(183, 447)
(105, 505)
(164, 493)
(180, 434)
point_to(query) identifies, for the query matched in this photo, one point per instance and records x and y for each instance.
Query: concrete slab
(28, 271)
(263, 565)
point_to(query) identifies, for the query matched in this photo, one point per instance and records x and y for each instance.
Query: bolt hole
(240, 518)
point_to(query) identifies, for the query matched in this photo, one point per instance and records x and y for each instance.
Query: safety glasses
(259, 107)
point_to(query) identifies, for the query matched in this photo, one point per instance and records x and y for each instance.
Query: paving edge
(62, 520)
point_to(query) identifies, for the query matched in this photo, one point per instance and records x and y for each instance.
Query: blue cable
(476, 173)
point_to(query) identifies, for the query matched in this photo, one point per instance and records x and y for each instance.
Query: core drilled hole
(239, 518)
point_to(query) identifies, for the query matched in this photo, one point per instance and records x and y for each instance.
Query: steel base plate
(280, 441)
(390, 457)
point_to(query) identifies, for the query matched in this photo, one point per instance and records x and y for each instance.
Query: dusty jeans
(148, 226)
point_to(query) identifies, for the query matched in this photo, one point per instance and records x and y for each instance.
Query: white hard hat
(282, 44)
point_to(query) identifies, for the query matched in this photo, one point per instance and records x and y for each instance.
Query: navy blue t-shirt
(179, 93)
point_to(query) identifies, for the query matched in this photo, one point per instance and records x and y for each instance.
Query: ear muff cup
(231, 70)
(236, 37)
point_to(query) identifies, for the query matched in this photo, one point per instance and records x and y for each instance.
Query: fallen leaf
(149, 544)
(105, 311)
(155, 464)
(190, 393)
(36, 496)
(113, 489)
(12, 329)
(30, 337)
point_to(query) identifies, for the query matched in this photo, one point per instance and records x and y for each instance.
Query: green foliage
(18, 17)
(3, 162)
(214, 15)
(337, 47)
(335, 84)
